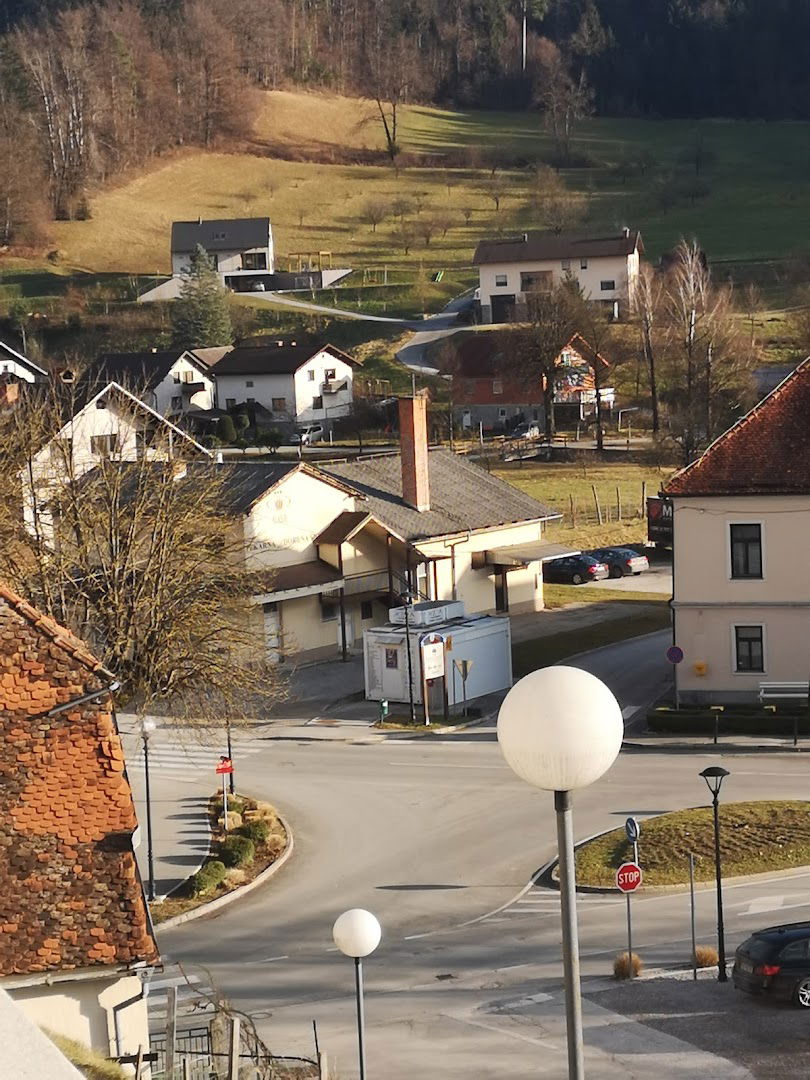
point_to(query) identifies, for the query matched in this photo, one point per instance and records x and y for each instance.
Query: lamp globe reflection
(356, 932)
(560, 728)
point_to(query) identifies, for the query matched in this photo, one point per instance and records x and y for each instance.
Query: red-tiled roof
(767, 452)
(70, 893)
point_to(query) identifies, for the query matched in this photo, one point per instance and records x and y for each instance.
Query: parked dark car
(621, 561)
(574, 570)
(776, 961)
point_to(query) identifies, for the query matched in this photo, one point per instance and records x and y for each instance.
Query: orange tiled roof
(767, 452)
(70, 893)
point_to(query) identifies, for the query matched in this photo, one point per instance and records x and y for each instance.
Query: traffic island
(255, 841)
(755, 838)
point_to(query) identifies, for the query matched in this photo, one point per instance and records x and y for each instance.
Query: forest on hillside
(91, 89)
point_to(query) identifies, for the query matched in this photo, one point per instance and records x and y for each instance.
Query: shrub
(624, 962)
(257, 831)
(706, 956)
(207, 878)
(237, 851)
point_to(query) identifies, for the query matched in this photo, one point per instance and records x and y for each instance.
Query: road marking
(271, 959)
(514, 1034)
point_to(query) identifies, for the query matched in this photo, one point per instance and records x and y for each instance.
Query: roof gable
(7, 353)
(767, 452)
(70, 894)
(141, 370)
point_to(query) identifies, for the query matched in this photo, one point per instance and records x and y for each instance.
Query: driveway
(657, 579)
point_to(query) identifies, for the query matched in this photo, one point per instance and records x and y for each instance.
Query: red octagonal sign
(628, 877)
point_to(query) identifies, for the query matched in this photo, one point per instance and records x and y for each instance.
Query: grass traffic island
(255, 839)
(755, 838)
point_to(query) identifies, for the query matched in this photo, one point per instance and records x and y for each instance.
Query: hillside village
(361, 441)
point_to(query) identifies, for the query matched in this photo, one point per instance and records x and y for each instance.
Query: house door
(501, 591)
(272, 633)
(503, 308)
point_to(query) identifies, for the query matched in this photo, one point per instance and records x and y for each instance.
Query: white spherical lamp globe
(560, 728)
(356, 932)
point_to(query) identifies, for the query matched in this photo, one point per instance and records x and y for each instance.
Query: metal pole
(361, 1020)
(692, 912)
(629, 940)
(230, 755)
(225, 801)
(410, 661)
(570, 941)
(150, 859)
(721, 937)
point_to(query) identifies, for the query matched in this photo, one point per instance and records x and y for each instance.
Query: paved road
(440, 840)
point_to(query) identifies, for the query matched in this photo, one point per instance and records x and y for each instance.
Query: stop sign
(628, 877)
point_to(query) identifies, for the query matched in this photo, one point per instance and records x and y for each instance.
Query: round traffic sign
(674, 654)
(628, 877)
(632, 829)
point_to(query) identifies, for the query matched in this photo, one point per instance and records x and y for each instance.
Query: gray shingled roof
(283, 359)
(462, 496)
(534, 246)
(236, 234)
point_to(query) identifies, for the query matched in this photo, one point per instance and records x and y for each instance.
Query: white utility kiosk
(445, 644)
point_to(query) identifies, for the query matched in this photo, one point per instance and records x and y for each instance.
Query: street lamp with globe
(560, 729)
(357, 934)
(714, 776)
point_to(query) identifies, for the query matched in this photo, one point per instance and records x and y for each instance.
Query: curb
(235, 894)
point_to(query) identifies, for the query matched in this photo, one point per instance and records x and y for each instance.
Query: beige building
(741, 516)
(605, 267)
(340, 544)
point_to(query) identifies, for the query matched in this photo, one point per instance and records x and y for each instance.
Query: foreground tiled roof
(462, 496)
(767, 452)
(70, 893)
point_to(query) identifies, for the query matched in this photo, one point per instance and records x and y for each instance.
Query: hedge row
(736, 720)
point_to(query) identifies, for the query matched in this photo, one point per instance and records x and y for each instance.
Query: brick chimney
(414, 452)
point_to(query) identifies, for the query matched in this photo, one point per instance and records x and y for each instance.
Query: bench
(769, 691)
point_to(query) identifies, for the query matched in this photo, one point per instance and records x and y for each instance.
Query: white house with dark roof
(298, 383)
(605, 267)
(237, 246)
(170, 381)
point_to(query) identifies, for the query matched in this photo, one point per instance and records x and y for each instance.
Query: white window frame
(607, 285)
(749, 674)
(729, 558)
(501, 281)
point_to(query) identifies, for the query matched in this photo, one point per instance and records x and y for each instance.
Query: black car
(574, 569)
(776, 961)
(621, 561)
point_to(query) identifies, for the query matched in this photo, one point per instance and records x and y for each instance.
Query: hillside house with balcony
(172, 381)
(605, 268)
(241, 249)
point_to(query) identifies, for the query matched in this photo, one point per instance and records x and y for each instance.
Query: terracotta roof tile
(767, 452)
(70, 893)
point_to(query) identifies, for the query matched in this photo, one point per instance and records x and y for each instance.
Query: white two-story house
(605, 267)
(170, 381)
(239, 247)
(299, 384)
(741, 514)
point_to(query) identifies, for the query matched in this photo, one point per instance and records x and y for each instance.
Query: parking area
(657, 579)
(766, 1038)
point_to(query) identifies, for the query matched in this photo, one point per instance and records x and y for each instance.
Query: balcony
(334, 386)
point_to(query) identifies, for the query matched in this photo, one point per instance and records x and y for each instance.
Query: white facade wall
(85, 1010)
(709, 603)
(228, 262)
(622, 270)
(261, 388)
(169, 396)
(298, 390)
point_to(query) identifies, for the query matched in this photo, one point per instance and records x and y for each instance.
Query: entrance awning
(305, 579)
(519, 556)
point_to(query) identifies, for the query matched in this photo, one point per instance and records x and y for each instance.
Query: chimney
(414, 452)
(625, 231)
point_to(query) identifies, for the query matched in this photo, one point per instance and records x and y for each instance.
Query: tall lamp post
(357, 934)
(147, 727)
(714, 777)
(408, 598)
(560, 729)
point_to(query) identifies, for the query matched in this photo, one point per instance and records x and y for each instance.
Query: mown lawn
(755, 837)
(754, 193)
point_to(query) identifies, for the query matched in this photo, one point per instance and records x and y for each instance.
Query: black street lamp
(714, 777)
(408, 598)
(147, 727)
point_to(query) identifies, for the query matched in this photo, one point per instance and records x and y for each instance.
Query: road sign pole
(225, 800)
(629, 940)
(692, 913)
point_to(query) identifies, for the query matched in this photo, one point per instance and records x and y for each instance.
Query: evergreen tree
(201, 316)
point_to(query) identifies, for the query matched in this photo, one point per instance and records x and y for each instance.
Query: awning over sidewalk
(304, 579)
(519, 556)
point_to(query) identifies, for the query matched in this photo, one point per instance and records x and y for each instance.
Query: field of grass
(755, 838)
(749, 211)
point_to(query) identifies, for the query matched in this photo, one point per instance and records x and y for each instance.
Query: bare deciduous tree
(552, 314)
(374, 212)
(647, 301)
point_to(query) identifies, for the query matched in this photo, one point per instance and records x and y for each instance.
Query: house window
(392, 659)
(583, 264)
(311, 374)
(502, 414)
(746, 551)
(249, 382)
(497, 386)
(329, 374)
(279, 404)
(329, 611)
(230, 403)
(177, 404)
(317, 402)
(749, 654)
(607, 286)
(254, 260)
(103, 445)
(366, 610)
(539, 280)
(566, 264)
(176, 376)
(500, 281)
